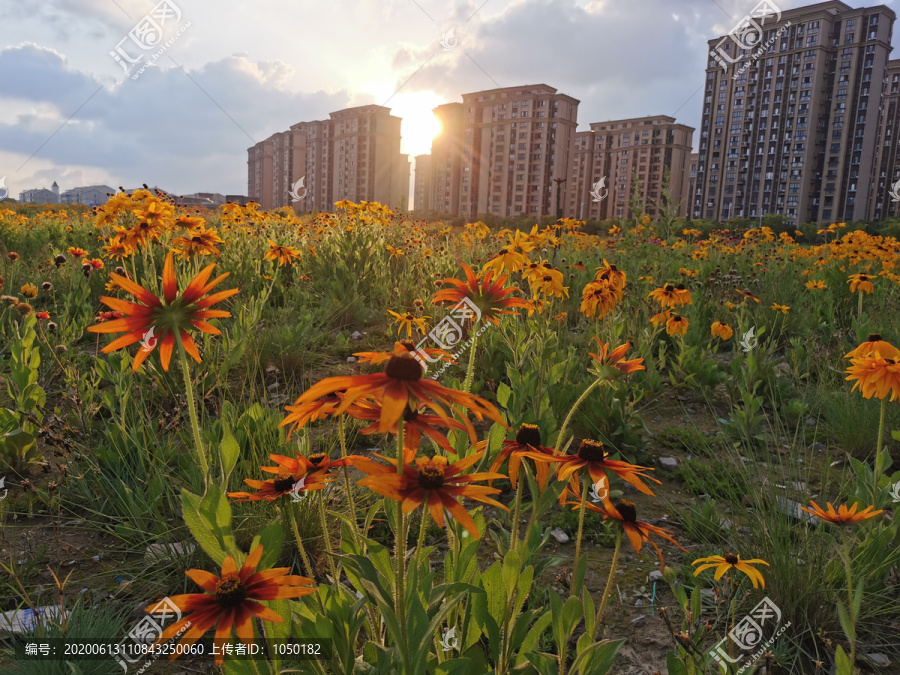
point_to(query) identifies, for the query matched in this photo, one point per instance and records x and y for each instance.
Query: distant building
(611, 154)
(241, 200)
(447, 159)
(91, 195)
(354, 155)
(422, 192)
(691, 182)
(210, 199)
(39, 196)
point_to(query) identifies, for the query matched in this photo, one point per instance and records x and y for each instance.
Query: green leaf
(229, 451)
(503, 394)
(846, 624)
(200, 528)
(857, 598)
(598, 658)
(271, 539)
(842, 662)
(674, 665)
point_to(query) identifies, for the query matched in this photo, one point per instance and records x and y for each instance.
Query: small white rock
(560, 536)
(351, 359)
(668, 463)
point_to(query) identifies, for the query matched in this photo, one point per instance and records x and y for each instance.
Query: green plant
(20, 424)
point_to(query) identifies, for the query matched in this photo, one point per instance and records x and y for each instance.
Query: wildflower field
(363, 443)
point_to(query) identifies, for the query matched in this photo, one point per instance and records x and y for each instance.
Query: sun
(417, 131)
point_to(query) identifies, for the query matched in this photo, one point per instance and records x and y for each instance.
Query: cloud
(184, 131)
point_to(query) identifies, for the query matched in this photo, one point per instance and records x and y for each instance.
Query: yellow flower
(395, 252)
(816, 285)
(407, 321)
(731, 561)
(784, 309)
(676, 324)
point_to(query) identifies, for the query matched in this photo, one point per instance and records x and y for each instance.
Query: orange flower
(593, 455)
(722, 331)
(283, 254)
(42, 315)
(415, 424)
(874, 344)
(380, 357)
(313, 471)
(638, 532)
(302, 413)
(876, 376)
(612, 274)
(77, 252)
(862, 283)
(528, 440)
(96, 263)
(489, 296)
(747, 294)
(660, 318)
(676, 324)
(399, 386)
(615, 358)
(433, 482)
(231, 601)
(164, 320)
(843, 515)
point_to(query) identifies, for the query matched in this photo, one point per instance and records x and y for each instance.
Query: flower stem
(576, 588)
(581, 399)
(400, 452)
(325, 535)
(849, 574)
(302, 549)
(342, 434)
(400, 554)
(609, 583)
(878, 452)
(470, 372)
(859, 307)
(533, 515)
(192, 411)
(514, 530)
(420, 544)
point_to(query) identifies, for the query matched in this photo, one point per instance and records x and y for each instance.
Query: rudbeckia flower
(861, 283)
(616, 357)
(875, 375)
(408, 321)
(816, 285)
(290, 470)
(507, 259)
(231, 600)
(399, 386)
(874, 344)
(611, 274)
(528, 439)
(638, 532)
(722, 331)
(843, 515)
(164, 320)
(666, 296)
(592, 455)
(303, 413)
(489, 296)
(784, 309)
(432, 482)
(676, 324)
(415, 424)
(283, 254)
(731, 561)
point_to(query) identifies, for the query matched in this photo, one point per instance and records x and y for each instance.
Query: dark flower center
(874, 337)
(548, 278)
(731, 559)
(409, 345)
(503, 251)
(230, 592)
(430, 477)
(668, 288)
(529, 434)
(285, 484)
(404, 368)
(591, 451)
(317, 458)
(627, 511)
(680, 287)
(410, 415)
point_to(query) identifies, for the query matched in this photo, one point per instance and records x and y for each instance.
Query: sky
(227, 75)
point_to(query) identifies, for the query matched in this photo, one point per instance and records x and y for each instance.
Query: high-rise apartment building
(422, 191)
(500, 150)
(790, 125)
(691, 182)
(447, 159)
(886, 199)
(353, 155)
(611, 156)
